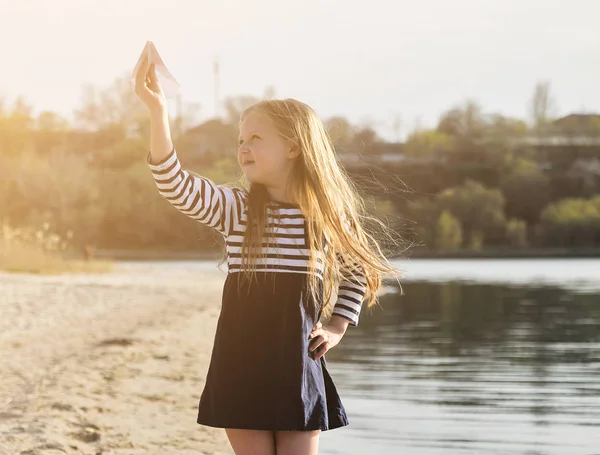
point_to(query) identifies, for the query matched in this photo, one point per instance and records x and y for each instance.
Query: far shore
(550, 253)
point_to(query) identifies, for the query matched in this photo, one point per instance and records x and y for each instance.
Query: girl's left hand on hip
(323, 339)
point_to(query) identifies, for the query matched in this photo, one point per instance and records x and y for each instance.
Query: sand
(107, 364)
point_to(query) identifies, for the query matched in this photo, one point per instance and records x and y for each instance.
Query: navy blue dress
(261, 375)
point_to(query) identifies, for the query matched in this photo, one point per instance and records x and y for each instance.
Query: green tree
(480, 210)
(428, 143)
(425, 213)
(467, 125)
(526, 190)
(508, 127)
(466, 121)
(448, 233)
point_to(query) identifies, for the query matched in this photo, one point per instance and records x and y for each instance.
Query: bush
(571, 222)
(29, 250)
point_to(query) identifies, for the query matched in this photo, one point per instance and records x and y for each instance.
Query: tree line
(474, 181)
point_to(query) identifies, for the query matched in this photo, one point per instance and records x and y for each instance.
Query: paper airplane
(168, 83)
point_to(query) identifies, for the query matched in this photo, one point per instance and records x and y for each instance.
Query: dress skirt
(261, 376)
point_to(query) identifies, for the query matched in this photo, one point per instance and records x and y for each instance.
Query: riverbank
(24, 257)
(158, 255)
(533, 253)
(110, 364)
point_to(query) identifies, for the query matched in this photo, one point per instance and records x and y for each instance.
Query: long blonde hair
(329, 201)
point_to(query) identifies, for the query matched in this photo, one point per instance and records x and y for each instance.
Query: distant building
(573, 130)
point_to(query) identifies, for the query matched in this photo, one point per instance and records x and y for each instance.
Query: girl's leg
(297, 442)
(251, 442)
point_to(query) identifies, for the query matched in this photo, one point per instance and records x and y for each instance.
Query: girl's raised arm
(198, 197)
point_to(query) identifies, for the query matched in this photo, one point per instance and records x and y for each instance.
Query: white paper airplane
(168, 83)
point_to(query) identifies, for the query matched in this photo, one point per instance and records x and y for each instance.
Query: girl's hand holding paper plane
(147, 85)
(148, 89)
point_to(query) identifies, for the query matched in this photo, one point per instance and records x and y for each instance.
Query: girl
(291, 239)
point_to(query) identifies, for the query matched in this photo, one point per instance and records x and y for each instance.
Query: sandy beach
(107, 364)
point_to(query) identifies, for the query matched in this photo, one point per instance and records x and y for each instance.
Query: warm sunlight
(299, 227)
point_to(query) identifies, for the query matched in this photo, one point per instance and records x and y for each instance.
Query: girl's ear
(294, 151)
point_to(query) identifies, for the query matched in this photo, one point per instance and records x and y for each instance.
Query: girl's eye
(254, 136)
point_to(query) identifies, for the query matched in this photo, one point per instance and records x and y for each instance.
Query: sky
(377, 62)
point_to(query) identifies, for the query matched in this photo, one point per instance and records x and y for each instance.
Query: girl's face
(264, 156)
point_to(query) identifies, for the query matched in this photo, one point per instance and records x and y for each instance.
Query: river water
(476, 357)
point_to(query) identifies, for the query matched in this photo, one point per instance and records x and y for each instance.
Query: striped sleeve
(198, 197)
(351, 293)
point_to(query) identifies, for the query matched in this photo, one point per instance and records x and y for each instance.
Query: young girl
(291, 239)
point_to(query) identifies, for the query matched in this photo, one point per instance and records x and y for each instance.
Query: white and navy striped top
(224, 209)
